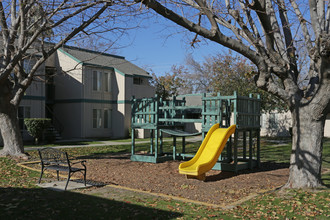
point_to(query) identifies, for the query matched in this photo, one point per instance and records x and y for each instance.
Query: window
(97, 118)
(23, 112)
(107, 118)
(97, 80)
(137, 80)
(107, 82)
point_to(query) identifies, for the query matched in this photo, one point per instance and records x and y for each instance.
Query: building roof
(104, 60)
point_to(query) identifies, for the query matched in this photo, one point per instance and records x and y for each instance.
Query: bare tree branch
(313, 10)
(216, 37)
(327, 20)
(278, 39)
(26, 82)
(321, 14)
(3, 23)
(303, 24)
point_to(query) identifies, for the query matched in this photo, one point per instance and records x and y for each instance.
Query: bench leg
(85, 177)
(67, 182)
(58, 177)
(42, 172)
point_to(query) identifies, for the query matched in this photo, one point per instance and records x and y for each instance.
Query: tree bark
(307, 145)
(9, 126)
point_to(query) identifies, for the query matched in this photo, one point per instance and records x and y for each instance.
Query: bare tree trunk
(9, 126)
(306, 155)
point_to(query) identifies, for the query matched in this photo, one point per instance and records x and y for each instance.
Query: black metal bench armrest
(82, 162)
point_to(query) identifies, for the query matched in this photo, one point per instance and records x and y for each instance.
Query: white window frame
(97, 80)
(97, 118)
(107, 81)
(107, 119)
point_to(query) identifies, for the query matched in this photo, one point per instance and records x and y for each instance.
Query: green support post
(235, 151)
(258, 148)
(156, 144)
(250, 149)
(203, 114)
(133, 142)
(132, 129)
(258, 133)
(151, 141)
(244, 144)
(156, 125)
(251, 110)
(174, 148)
(230, 153)
(161, 142)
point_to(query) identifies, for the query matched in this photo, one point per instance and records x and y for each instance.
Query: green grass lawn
(21, 199)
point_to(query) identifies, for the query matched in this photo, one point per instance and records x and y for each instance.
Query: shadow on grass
(265, 166)
(326, 179)
(18, 203)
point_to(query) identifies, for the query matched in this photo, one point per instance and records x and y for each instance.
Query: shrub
(36, 127)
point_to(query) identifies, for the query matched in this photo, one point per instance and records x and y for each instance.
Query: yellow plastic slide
(208, 153)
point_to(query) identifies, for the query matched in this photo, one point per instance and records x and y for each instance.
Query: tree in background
(226, 73)
(169, 84)
(25, 26)
(269, 33)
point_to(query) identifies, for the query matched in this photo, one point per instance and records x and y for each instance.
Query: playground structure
(170, 117)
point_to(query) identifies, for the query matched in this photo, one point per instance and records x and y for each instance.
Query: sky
(158, 47)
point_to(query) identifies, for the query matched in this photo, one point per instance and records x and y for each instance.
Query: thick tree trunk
(9, 126)
(306, 155)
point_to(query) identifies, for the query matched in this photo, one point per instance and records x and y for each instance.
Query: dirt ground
(220, 188)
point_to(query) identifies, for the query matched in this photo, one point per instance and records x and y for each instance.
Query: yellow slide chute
(208, 153)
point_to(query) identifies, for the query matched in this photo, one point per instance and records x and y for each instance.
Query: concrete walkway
(60, 185)
(107, 143)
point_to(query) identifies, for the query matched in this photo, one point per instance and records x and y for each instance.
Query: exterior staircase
(51, 134)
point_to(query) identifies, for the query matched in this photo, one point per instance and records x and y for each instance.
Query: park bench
(53, 159)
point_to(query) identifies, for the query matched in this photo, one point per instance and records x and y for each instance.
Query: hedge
(36, 126)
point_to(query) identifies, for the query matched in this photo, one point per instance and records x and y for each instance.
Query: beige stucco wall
(69, 115)
(143, 91)
(36, 89)
(69, 65)
(283, 125)
(98, 97)
(123, 92)
(37, 107)
(51, 61)
(327, 127)
(76, 99)
(88, 84)
(87, 119)
(118, 109)
(68, 81)
(68, 92)
(279, 128)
